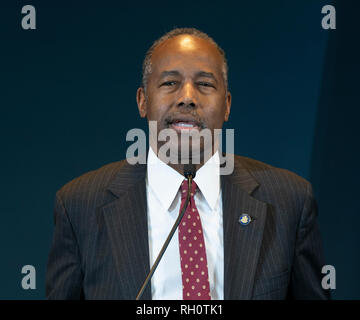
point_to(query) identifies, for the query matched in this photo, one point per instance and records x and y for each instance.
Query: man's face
(186, 88)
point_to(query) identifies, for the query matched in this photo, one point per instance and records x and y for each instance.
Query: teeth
(185, 125)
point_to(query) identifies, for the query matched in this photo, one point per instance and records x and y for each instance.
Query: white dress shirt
(163, 203)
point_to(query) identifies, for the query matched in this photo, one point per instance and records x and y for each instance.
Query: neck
(180, 167)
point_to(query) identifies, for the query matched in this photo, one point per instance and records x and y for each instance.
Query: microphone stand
(189, 177)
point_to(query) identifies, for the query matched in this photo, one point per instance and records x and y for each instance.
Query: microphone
(189, 173)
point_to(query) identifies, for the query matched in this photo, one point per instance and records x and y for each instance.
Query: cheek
(154, 108)
(215, 116)
(157, 111)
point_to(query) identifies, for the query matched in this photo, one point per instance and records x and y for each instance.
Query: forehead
(186, 53)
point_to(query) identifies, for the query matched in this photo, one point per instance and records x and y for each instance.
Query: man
(252, 234)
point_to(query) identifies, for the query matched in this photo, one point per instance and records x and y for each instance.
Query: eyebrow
(198, 74)
(169, 73)
(206, 75)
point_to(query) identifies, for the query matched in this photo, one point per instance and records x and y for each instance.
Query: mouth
(184, 124)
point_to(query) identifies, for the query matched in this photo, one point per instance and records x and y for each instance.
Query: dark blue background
(68, 99)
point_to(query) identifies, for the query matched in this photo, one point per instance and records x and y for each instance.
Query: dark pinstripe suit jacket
(100, 246)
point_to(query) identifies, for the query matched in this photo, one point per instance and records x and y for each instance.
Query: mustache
(188, 116)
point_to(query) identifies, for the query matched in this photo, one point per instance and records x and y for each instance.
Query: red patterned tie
(194, 267)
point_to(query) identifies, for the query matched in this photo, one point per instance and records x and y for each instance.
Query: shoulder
(91, 185)
(268, 173)
(275, 184)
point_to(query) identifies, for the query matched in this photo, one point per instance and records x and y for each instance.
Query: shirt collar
(162, 179)
(165, 181)
(207, 179)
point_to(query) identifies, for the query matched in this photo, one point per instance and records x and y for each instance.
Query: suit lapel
(241, 243)
(126, 223)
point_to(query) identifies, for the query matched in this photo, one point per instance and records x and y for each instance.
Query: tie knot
(184, 188)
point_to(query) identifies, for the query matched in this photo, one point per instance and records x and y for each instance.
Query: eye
(169, 83)
(205, 84)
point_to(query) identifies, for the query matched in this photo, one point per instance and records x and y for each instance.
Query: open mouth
(180, 125)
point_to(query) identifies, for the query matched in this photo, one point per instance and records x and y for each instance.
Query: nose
(187, 96)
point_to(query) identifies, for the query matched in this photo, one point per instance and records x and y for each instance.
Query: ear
(141, 102)
(227, 106)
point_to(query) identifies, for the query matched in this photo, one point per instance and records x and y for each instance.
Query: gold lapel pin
(244, 219)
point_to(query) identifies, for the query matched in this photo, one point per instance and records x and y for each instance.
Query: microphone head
(189, 170)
